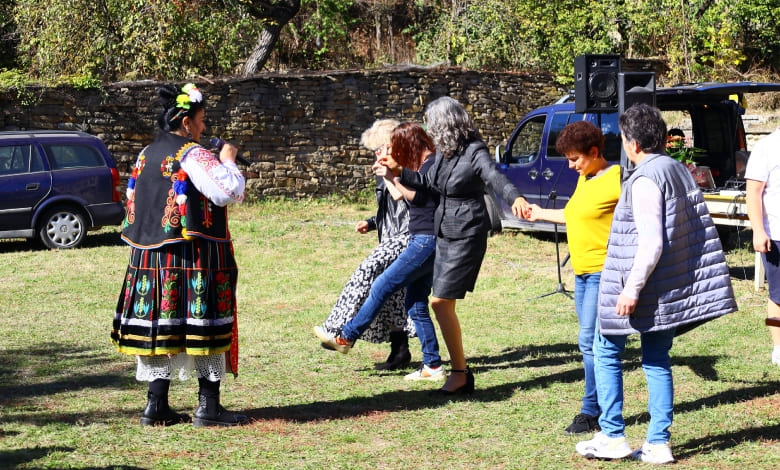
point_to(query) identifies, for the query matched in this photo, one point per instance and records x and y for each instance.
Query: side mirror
(497, 154)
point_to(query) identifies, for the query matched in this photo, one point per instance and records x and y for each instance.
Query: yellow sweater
(588, 217)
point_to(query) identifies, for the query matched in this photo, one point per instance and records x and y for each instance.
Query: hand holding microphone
(229, 151)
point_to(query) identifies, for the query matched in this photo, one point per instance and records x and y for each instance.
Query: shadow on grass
(92, 240)
(533, 356)
(727, 440)
(14, 458)
(29, 374)
(743, 273)
(19, 457)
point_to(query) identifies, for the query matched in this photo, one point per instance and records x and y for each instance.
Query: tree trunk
(262, 51)
(274, 14)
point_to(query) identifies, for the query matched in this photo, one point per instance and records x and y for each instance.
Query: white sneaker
(604, 447)
(427, 373)
(654, 453)
(776, 355)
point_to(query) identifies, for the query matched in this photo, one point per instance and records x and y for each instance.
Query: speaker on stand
(596, 83)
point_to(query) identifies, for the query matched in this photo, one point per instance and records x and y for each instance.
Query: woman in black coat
(460, 174)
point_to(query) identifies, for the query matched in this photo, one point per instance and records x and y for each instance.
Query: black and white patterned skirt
(392, 316)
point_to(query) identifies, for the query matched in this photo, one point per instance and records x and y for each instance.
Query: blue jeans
(412, 269)
(586, 297)
(658, 372)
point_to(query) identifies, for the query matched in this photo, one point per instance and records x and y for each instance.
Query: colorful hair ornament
(190, 94)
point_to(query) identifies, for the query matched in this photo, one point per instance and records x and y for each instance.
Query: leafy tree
(108, 40)
(273, 16)
(128, 39)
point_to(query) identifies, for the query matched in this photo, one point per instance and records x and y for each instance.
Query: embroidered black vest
(153, 217)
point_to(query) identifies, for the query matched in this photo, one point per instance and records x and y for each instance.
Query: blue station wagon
(55, 186)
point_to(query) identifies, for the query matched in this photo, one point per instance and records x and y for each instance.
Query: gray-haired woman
(460, 174)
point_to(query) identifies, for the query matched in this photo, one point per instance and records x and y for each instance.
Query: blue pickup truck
(707, 113)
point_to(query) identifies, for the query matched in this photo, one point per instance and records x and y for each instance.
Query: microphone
(216, 143)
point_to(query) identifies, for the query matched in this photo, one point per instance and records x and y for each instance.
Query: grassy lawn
(68, 400)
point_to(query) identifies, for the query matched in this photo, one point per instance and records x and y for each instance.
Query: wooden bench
(773, 321)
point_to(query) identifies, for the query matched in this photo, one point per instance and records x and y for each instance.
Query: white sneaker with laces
(427, 373)
(776, 355)
(604, 447)
(654, 453)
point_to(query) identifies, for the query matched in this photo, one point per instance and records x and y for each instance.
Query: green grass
(68, 400)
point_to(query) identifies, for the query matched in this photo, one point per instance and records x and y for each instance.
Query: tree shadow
(727, 440)
(713, 401)
(743, 273)
(531, 356)
(92, 240)
(17, 457)
(58, 368)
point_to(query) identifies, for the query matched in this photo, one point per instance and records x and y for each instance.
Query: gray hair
(378, 134)
(449, 125)
(643, 124)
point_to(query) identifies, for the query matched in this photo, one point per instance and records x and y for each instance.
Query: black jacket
(461, 182)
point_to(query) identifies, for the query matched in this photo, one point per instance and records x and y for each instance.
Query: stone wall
(301, 131)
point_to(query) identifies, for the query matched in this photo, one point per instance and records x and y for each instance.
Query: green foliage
(319, 35)
(130, 39)
(518, 34)
(17, 81)
(111, 40)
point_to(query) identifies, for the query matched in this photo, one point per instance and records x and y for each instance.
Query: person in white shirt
(762, 195)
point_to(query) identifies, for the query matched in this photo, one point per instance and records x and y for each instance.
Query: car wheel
(62, 228)
(495, 216)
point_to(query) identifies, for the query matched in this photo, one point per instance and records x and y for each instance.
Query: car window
(559, 121)
(73, 156)
(528, 141)
(18, 159)
(608, 122)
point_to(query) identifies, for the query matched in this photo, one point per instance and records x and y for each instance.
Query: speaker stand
(561, 289)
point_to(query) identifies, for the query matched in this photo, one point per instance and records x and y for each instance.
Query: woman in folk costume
(177, 308)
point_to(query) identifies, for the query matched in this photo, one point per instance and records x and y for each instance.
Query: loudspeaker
(635, 87)
(596, 83)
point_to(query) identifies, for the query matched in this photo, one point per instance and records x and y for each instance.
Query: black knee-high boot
(210, 412)
(399, 352)
(157, 412)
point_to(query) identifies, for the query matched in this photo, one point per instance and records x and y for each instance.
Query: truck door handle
(548, 174)
(533, 174)
(32, 187)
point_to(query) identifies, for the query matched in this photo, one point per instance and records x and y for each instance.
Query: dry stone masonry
(301, 131)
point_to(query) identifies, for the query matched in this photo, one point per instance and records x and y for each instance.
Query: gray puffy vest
(690, 284)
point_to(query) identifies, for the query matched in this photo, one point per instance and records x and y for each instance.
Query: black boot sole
(165, 422)
(210, 423)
